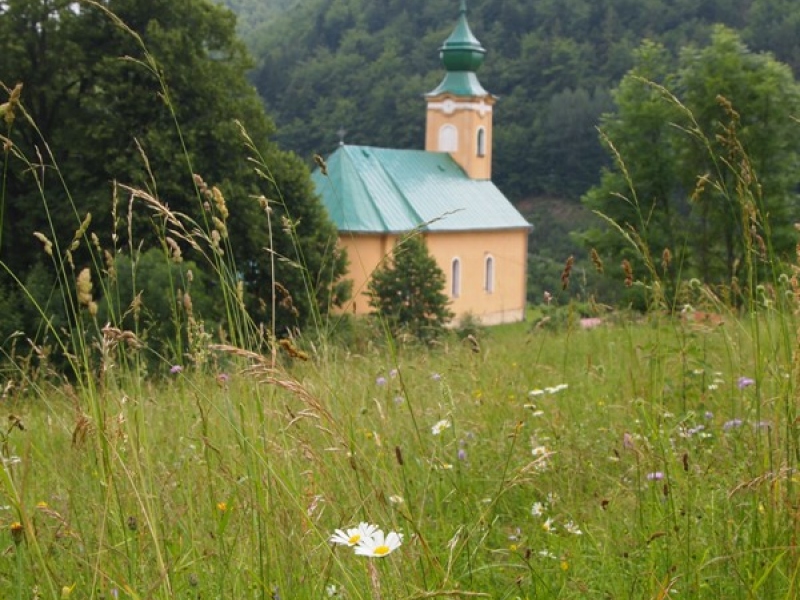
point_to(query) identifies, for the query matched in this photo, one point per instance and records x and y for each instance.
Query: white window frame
(480, 142)
(448, 138)
(488, 274)
(455, 277)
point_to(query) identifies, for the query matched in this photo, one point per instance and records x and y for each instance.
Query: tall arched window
(455, 278)
(481, 141)
(448, 138)
(488, 275)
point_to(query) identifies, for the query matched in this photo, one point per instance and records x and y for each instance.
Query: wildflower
(378, 546)
(570, 527)
(556, 388)
(564, 565)
(537, 510)
(436, 377)
(712, 387)
(331, 590)
(709, 415)
(395, 499)
(732, 424)
(533, 393)
(655, 476)
(548, 525)
(223, 378)
(744, 382)
(393, 373)
(399, 400)
(17, 532)
(547, 554)
(439, 427)
(539, 451)
(175, 369)
(354, 535)
(380, 381)
(462, 454)
(222, 506)
(566, 272)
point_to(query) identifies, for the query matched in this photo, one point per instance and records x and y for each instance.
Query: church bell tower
(459, 114)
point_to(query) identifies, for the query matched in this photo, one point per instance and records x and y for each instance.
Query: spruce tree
(408, 291)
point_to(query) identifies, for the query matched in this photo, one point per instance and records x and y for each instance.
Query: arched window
(481, 141)
(448, 138)
(455, 278)
(488, 275)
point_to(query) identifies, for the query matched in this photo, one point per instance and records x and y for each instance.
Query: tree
(149, 94)
(706, 160)
(407, 291)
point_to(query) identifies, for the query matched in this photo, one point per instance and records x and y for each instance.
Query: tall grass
(651, 457)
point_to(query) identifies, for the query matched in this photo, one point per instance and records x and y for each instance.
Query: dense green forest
(363, 66)
(125, 133)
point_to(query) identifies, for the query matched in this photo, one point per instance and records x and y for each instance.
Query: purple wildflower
(744, 382)
(462, 454)
(393, 373)
(223, 377)
(436, 377)
(655, 476)
(732, 424)
(709, 415)
(175, 369)
(381, 380)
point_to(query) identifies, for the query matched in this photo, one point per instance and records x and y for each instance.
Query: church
(477, 237)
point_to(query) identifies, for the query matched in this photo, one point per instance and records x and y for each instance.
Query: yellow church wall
(508, 249)
(467, 116)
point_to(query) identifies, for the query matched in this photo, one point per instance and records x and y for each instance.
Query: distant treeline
(363, 66)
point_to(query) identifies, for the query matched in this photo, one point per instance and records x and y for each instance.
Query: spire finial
(463, 8)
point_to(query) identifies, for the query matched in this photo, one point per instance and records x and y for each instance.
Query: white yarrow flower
(537, 510)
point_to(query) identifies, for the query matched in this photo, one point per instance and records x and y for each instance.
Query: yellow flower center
(354, 539)
(382, 550)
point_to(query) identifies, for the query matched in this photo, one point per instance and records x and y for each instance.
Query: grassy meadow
(646, 458)
(654, 456)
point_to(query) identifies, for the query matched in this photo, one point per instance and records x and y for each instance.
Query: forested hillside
(254, 14)
(363, 66)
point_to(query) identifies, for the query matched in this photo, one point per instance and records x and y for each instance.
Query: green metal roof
(462, 51)
(460, 83)
(379, 190)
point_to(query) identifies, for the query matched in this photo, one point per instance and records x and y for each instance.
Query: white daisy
(378, 546)
(548, 526)
(440, 426)
(570, 527)
(537, 510)
(354, 535)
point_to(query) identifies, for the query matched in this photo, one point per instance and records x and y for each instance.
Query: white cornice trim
(449, 106)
